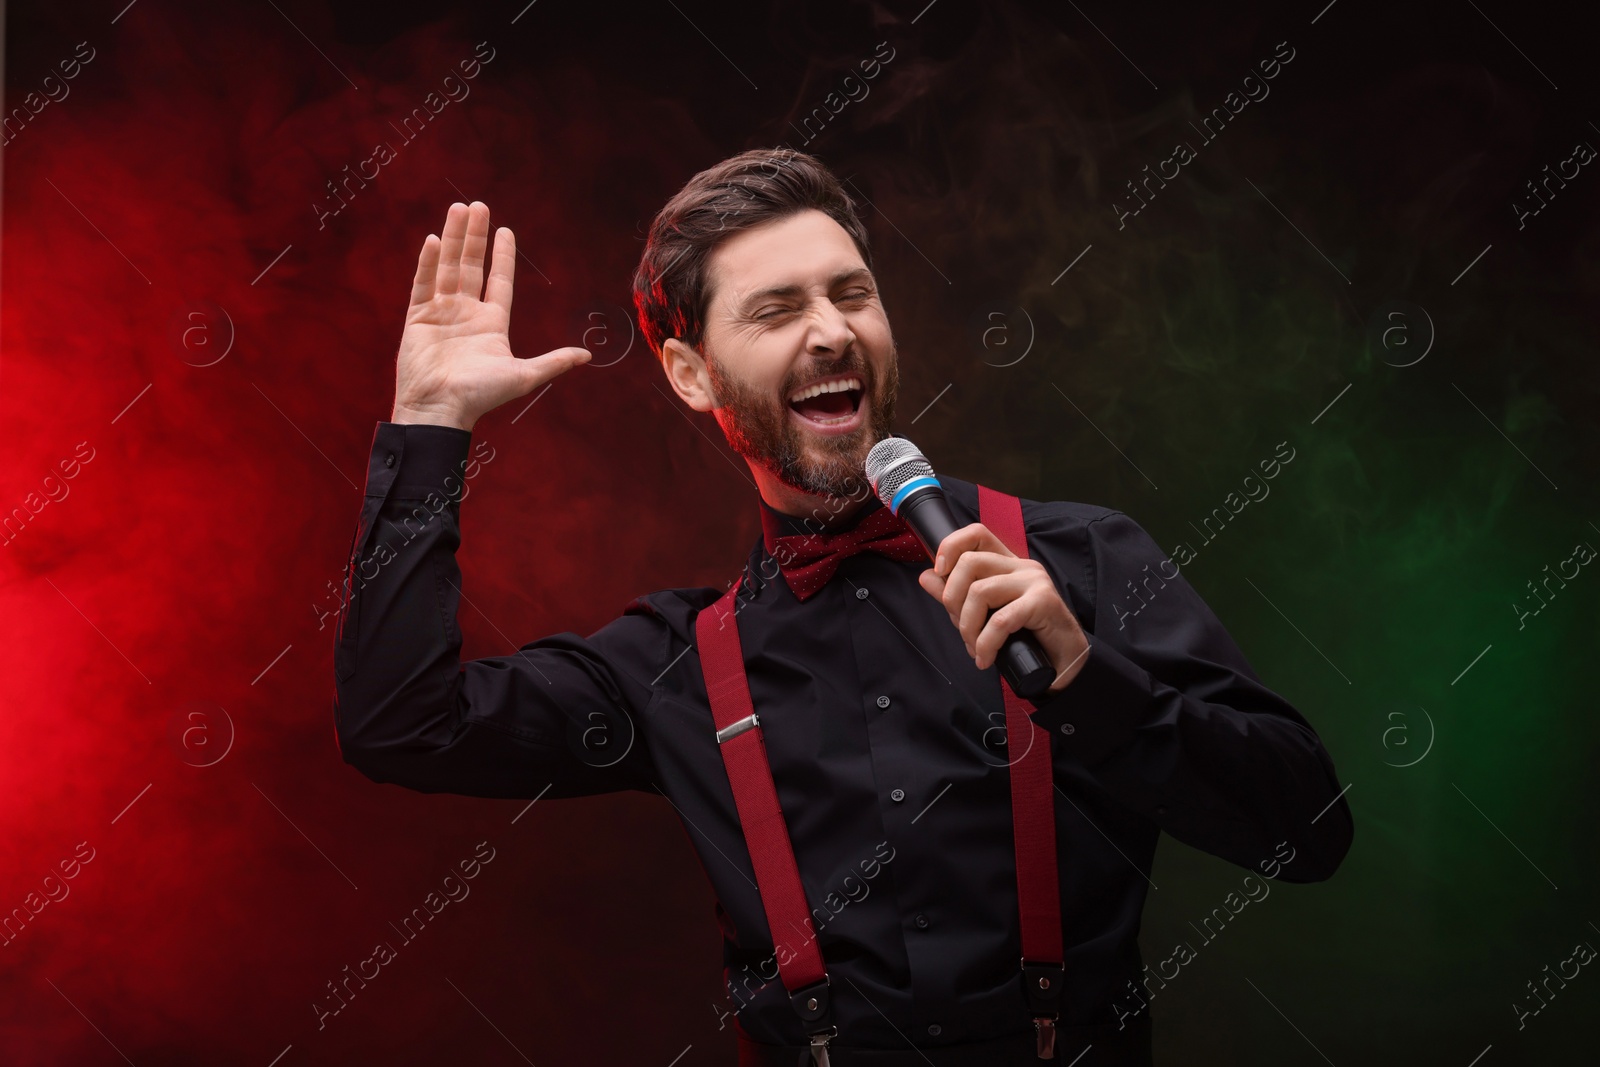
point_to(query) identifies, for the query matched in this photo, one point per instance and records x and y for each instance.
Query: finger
(950, 549)
(973, 537)
(986, 595)
(971, 566)
(554, 363)
(427, 269)
(1014, 616)
(502, 269)
(473, 249)
(451, 238)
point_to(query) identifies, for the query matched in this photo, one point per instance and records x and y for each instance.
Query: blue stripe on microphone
(909, 487)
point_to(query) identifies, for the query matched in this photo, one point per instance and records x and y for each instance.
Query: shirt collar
(775, 524)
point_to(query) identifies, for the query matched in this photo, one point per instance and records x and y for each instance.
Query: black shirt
(886, 743)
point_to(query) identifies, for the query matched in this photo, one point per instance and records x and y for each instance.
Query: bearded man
(912, 862)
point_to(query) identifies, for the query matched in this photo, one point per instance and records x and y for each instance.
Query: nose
(830, 333)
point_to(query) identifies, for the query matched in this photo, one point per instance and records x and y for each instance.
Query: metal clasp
(819, 1045)
(1046, 1027)
(733, 730)
(1042, 987)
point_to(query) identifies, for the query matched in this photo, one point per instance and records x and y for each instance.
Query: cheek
(872, 330)
(770, 359)
(750, 363)
(873, 335)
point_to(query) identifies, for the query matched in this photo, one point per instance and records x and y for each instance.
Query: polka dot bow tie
(809, 560)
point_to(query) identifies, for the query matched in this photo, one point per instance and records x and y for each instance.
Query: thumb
(552, 364)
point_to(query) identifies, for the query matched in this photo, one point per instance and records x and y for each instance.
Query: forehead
(803, 249)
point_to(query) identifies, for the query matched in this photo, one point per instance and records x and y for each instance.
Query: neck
(826, 511)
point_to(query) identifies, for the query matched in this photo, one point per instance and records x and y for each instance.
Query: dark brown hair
(746, 190)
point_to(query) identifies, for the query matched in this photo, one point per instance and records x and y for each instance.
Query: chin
(831, 474)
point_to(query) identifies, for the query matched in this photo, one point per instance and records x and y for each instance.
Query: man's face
(793, 307)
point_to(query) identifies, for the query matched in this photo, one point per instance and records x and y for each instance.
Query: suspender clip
(819, 1046)
(1046, 1026)
(814, 1005)
(1041, 987)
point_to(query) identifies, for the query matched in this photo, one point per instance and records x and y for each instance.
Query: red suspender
(744, 756)
(1033, 816)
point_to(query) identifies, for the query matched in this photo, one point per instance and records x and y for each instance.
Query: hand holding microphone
(1007, 608)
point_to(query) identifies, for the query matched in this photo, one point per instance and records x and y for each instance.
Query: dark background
(168, 661)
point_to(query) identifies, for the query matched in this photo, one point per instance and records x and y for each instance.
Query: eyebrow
(782, 291)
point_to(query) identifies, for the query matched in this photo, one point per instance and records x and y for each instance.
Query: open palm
(455, 362)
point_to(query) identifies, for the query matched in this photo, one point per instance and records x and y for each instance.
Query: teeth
(839, 386)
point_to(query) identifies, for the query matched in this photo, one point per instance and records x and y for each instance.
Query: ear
(686, 372)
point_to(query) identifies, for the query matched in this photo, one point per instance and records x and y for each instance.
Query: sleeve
(1169, 717)
(557, 717)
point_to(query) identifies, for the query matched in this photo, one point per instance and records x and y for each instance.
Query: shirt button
(897, 795)
(388, 461)
(883, 702)
(861, 593)
(934, 1030)
(921, 921)
(1067, 728)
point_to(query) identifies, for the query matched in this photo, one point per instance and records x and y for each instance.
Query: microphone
(904, 481)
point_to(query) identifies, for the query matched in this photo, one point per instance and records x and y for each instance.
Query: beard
(758, 427)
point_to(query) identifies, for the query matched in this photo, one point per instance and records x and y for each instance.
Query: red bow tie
(809, 560)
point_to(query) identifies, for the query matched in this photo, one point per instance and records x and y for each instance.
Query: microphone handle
(1021, 660)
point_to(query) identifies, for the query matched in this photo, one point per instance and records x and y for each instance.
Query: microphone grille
(892, 464)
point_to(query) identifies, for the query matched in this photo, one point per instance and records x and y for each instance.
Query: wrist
(1071, 670)
(423, 415)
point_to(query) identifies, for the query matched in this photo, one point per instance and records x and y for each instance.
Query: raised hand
(455, 362)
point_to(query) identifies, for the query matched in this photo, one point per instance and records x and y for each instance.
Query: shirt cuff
(1101, 709)
(410, 461)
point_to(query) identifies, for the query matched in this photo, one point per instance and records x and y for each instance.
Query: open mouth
(832, 402)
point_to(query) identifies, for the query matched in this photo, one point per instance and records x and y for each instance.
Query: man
(892, 753)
